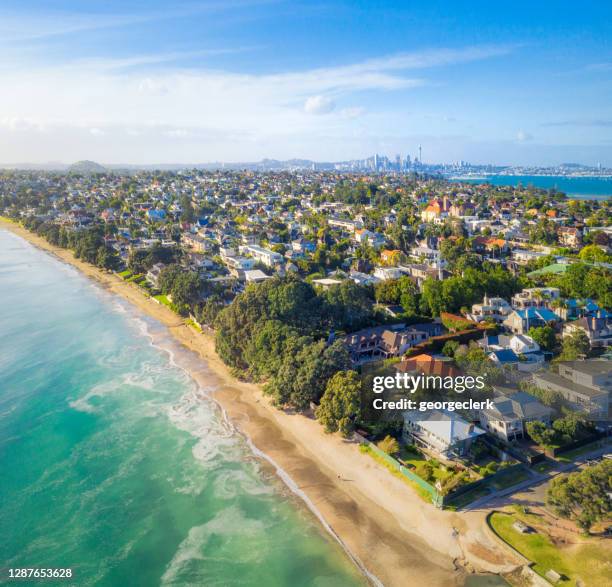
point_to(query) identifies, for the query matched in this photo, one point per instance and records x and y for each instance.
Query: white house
(265, 256)
(385, 273)
(444, 433)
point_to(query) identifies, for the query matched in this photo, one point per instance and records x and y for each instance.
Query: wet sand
(388, 530)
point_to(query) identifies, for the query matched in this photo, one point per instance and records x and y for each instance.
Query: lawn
(191, 323)
(135, 277)
(422, 493)
(125, 274)
(163, 299)
(588, 562)
(417, 460)
(507, 479)
(570, 455)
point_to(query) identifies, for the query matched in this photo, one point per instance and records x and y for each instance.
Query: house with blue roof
(530, 356)
(586, 308)
(520, 321)
(505, 358)
(156, 215)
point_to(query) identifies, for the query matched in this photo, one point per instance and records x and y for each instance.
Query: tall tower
(420, 155)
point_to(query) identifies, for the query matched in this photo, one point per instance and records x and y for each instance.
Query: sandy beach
(382, 522)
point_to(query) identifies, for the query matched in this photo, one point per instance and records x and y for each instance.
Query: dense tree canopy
(278, 332)
(584, 496)
(340, 404)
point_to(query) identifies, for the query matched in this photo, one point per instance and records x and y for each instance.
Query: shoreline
(388, 531)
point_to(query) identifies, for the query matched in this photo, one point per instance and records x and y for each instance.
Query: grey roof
(591, 366)
(567, 384)
(448, 426)
(520, 406)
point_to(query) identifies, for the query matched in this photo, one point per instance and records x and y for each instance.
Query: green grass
(570, 455)
(421, 492)
(136, 277)
(467, 497)
(508, 479)
(163, 299)
(417, 460)
(588, 562)
(125, 274)
(191, 323)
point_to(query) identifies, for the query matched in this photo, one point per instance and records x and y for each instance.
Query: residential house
(326, 282)
(569, 236)
(443, 433)
(520, 321)
(597, 329)
(584, 384)
(196, 242)
(535, 296)
(526, 353)
(385, 273)
(348, 225)
(383, 342)
(425, 364)
(504, 358)
(509, 415)
(363, 278)
(389, 257)
(496, 246)
(152, 275)
(239, 263)
(265, 256)
(491, 310)
(523, 256)
(374, 239)
(255, 276)
(303, 246)
(436, 210)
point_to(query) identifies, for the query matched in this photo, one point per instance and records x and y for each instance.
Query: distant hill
(86, 167)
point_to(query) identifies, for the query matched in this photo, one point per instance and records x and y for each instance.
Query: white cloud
(177, 133)
(319, 105)
(523, 136)
(17, 123)
(232, 115)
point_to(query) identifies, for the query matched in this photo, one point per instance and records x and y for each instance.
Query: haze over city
(141, 83)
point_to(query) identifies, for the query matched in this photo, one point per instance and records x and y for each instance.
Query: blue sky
(240, 80)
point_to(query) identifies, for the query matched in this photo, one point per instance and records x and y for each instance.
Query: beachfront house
(509, 415)
(442, 433)
(383, 342)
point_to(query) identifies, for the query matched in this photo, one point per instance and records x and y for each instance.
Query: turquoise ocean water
(114, 463)
(590, 188)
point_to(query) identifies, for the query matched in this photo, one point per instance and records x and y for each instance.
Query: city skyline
(248, 80)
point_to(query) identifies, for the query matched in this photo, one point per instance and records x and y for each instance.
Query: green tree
(450, 347)
(574, 346)
(594, 253)
(584, 496)
(544, 336)
(339, 406)
(540, 434)
(388, 445)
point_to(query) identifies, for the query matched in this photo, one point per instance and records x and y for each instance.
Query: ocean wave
(223, 527)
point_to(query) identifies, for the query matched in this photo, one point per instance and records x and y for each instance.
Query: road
(537, 483)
